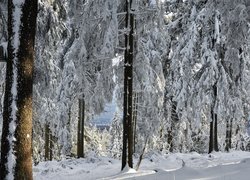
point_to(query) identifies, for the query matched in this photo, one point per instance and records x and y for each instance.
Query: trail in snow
(236, 171)
(216, 166)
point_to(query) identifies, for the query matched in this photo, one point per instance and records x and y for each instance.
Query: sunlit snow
(233, 165)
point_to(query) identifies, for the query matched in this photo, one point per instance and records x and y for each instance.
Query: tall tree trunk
(230, 133)
(227, 136)
(16, 149)
(211, 139)
(127, 153)
(136, 101)
(47, 143)
(67, 149)
(125, 96)
(170, 138)
(215, 133)
(80, 132)
(51, 144)
(130, 89)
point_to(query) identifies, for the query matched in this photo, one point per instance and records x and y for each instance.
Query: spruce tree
(16, 149)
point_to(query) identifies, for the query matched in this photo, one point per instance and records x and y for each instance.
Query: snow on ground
(221, 166)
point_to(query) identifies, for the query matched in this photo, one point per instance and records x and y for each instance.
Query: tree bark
(47, 143)
(125, 97)
(127, 152)
(17, 113)
(136, 101)
(230, 133)
(215, 133)
(227, 136)
(51, 144)
(211, 139)
(2, 55)
(130, 89)
(80, 134)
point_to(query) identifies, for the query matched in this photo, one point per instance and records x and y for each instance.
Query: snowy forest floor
(220, 166)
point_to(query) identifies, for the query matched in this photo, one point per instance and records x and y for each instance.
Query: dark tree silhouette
(127, 151)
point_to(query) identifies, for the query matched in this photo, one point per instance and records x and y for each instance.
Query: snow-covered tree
(16, 146)
(74, 59)
(203, 86)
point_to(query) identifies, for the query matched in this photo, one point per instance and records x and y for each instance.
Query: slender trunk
(80, 134)
(170, 140)
(230, 133)
(136, 100)
(125, 126)
(17, 125)
(127, 153)
(173, 125)
(47, 143)
(211, 139)
(125, 97)
(227, 136)
(215, 133)
(51, 140)
(130, 88)
(215, 120)
(67, 150)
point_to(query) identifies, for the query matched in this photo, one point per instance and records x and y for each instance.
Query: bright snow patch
(233, 165)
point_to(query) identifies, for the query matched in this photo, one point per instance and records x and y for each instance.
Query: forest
(176, 71)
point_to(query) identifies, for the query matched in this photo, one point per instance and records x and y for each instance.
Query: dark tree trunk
(48, 143)
(170, 139)
(136, 101)
(125, 130)
(51, 144)
(67, 150)
(2, 55)
(230, 133)
(215, 133)
(125, 98)
(127, 154)
(173, 125)
(227, 136)
(18, 93)
(211, 139)
(46, 146)
(130, 89)
(80, 134)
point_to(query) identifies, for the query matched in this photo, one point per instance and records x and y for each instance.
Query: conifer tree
(16, 149)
